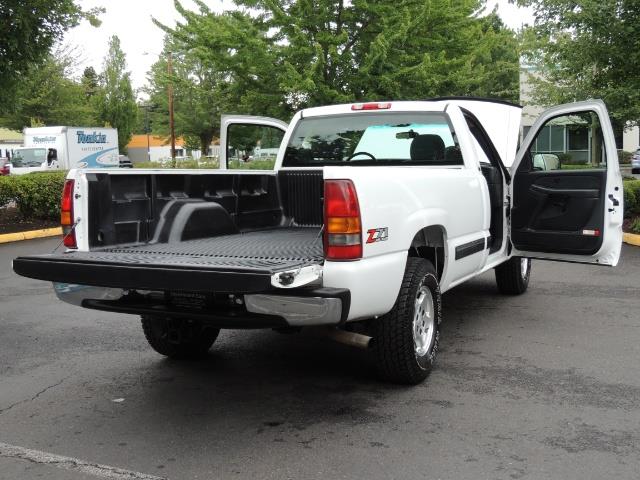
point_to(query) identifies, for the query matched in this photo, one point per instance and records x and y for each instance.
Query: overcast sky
(131, 21)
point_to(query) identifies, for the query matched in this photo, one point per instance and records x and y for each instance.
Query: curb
(631, 239)
(16, 237)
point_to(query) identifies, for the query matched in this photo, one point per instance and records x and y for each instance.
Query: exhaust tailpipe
(352, 339)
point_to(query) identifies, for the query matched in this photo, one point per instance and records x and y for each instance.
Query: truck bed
(242, 262)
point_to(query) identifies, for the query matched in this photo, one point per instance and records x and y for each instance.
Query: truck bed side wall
(140, 207)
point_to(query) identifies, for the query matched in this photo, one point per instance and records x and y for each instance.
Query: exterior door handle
(614, 200)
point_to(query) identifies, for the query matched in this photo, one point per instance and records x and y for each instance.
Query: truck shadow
(290, 382)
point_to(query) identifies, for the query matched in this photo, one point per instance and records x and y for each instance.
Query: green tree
(338, 51)
(89, 82)
(586, 49)
(115, 101)
(49, 96)
(286, 55)
(28, 31)
(196, 98)
(241, 62)
(273, 57)
(143, 125)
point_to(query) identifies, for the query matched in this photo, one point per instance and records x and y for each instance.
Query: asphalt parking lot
(541, 386)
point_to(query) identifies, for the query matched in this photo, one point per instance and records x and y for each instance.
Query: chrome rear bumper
(299, 308)
(297, 311)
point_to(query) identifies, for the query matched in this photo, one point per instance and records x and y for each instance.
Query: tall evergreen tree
(115, 101)
(89, 82)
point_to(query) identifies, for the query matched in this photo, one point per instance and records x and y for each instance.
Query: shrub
(631, 191)
(179, 164)
(266, 164)
(7, 190)
(624, 157)
(635, 226)
(576, 166)
(37, 195)
(190, 163)
(565, 158)
(253, 164)
(629, 199)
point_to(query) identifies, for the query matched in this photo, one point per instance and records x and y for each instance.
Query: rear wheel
(177, 337)
(513, 275)
(405, 340)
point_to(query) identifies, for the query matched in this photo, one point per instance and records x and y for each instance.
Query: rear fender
(375, 281)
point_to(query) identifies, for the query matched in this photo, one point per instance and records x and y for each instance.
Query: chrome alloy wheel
(524, 267)
(423, 321)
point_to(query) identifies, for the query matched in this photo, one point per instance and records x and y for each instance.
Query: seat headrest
(453, 155)
(427, 148)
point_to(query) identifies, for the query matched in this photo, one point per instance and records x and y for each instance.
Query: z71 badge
(378, 235)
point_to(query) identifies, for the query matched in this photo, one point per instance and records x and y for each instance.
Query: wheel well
(429, 243)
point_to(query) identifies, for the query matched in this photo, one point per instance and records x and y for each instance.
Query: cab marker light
(371, 106)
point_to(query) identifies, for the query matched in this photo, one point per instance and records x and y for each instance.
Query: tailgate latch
(298, 277)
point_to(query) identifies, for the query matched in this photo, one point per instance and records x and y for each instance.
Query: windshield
(373, 139)
(32, 157)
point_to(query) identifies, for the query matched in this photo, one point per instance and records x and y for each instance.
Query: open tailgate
(238, 263)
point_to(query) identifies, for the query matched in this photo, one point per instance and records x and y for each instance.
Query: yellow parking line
(16, 237)
(631, 239)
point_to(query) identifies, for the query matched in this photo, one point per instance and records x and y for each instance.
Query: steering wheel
(361, 153)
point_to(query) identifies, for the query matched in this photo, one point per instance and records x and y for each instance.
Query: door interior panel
(552, 209)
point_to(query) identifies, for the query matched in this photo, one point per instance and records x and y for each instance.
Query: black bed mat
(261, 249)
(239, 262)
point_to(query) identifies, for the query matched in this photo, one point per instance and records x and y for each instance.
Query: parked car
(5, 166)
(373, 211)
(27, 160)
(635, 162)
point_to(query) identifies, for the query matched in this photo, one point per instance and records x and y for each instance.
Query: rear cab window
(365, 139)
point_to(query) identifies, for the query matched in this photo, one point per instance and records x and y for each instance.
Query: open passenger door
(246, 138)
(567, 188)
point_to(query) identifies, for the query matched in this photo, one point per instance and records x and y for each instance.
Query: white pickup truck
(372, 212)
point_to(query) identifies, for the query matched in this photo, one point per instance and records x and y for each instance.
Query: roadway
(541, 386)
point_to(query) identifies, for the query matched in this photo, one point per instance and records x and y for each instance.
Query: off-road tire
(188, 339)
(511, 278)
(394, 348)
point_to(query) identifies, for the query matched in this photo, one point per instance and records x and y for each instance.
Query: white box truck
(65, 148)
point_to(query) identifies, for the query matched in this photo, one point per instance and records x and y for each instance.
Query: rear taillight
(342, 226)
(66, 215)
(6, 169)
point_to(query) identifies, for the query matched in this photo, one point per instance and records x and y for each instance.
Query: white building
(150, 148)
(565, 141)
